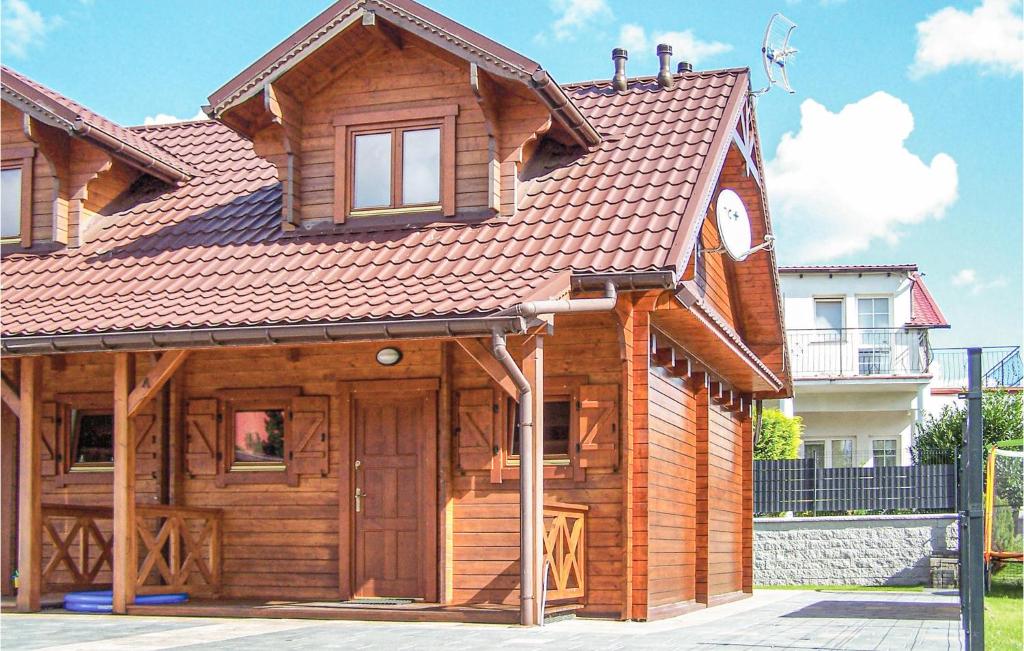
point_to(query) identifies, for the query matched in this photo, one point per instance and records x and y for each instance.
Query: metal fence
(1001, 367)
(855, 352)
(801, 485)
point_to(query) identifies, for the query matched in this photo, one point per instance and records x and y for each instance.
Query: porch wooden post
(124, 485)
(30, 491)
(533, 368)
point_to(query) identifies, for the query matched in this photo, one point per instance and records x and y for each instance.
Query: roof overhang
(422, 22)
(26, 99)
(267, 335)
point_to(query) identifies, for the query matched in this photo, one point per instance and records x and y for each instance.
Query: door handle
(359, 499)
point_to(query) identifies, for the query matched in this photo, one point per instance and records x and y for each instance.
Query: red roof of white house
(924, 311)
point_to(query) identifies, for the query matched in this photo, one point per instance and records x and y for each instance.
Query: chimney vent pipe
(665, 79)
(619, 56)
(684, 66)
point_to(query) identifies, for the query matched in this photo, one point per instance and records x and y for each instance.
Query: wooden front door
(394, 476)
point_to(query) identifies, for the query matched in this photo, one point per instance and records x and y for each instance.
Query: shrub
(780, 436)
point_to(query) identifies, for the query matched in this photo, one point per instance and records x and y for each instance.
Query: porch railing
(564, 550)
(179, 548)
(77, 547)
(858, 352)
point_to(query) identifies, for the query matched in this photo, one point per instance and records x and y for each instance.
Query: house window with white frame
(884, 452)
(874, 354)
(828, 314)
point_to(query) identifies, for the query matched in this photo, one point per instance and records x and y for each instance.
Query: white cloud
(991, 36)
(846, 180)
(164, 118)
(968, 280)
(23, 27)
(685, 46)
(576, 16)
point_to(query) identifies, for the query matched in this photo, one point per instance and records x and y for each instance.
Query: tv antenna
(777, 53)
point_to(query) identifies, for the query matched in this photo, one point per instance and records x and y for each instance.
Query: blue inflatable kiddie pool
(102, 601)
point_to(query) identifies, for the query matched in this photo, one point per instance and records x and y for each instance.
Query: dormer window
(397, 169)
(395, 162)
(10, 198)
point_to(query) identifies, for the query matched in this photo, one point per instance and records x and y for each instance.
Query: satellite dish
(777, 52)
(733, 224)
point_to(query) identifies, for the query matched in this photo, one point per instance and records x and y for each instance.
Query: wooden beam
(124, 486)
(384, 32)
(10, 397)
(150, 385)
(482, 355)
(30, 488)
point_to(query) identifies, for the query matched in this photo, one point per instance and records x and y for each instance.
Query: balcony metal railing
(858, 352)
(1001, 367)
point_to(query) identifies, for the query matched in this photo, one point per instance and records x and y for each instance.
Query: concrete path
(769, 620)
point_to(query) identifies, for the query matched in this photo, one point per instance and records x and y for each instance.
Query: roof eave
(87, 131)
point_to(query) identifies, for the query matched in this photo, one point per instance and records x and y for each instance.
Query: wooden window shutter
(201, 437)
(147, 445)
(598, 426)
(51, 442)
(306, 445)
(478, 431)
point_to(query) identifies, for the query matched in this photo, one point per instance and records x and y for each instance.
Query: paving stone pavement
(856, 621)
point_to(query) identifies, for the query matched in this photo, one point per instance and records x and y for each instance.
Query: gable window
(395, 161)
(10, 198)
(92, 441)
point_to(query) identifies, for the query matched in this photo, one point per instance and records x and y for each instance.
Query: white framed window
(828, 314)
(885, 452)
(815, 450)
(873, 312)
(10, 203)
(843, 452)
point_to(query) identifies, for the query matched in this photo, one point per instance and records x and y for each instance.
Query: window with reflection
(10, 203)
(258, 438)
(92, 440)
(396, 168)
(557, 428)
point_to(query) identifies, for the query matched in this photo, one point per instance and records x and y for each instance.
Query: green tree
(780, 436)
(940, 437)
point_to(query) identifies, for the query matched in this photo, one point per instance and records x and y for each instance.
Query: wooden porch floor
(413, 612)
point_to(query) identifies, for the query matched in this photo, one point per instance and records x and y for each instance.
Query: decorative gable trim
(413, 18)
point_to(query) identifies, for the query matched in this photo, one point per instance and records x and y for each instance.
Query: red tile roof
(211, 253)
(924, 311)
(58, 110)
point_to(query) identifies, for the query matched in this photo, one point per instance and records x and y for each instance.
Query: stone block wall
(851, 550)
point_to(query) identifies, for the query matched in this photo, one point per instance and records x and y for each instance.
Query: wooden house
(402, 315)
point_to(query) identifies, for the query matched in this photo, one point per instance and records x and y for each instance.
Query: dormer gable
(63, 164)
(384, 110)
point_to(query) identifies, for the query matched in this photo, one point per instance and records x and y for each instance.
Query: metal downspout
(528, 614)
(527, 600)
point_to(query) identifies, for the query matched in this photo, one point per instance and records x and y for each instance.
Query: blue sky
(903, 142)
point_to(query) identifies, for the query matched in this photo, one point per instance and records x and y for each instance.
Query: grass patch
(845, 588)
(1004, 617)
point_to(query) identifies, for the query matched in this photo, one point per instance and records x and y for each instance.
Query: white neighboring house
(859, 350)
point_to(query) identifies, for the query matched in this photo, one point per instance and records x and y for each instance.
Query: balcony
(858, 353)
(1001, 367)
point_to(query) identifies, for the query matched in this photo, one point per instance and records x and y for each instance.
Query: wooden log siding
(671, 472)
(725, 503)
(486, 515)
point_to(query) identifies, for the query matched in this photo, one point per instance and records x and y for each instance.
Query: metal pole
(972, 577)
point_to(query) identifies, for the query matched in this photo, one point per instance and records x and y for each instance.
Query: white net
(1005, 513)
